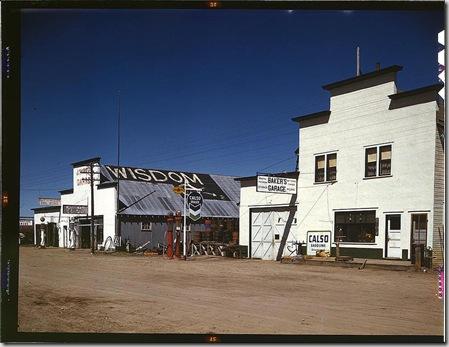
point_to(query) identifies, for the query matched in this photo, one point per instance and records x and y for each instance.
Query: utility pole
(92, 234)
(184, 237)
(117, 215)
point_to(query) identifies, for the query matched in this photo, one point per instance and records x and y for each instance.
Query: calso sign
(318, 241)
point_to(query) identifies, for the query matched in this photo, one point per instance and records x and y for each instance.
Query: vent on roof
(166, 203)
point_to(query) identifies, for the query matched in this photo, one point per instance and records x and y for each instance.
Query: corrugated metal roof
(163, 200)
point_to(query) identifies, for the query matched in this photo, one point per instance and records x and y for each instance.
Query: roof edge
(291, 174)
(47, 208)
(311, 115)
(393, 68)
(86, 161)
(433, 87)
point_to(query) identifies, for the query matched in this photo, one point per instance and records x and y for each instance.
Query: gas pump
(72, 234)
(178, 218)
(169, 220)
(43, 234)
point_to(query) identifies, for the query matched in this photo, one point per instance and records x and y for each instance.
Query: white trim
(272, 205)
(379, 144)
(355, 209)
(327, 152)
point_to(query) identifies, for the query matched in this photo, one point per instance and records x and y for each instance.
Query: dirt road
(64, 291)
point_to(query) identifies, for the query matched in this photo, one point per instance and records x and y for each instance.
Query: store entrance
(418, 235)
(85, 237)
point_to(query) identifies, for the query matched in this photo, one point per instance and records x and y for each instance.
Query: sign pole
(92, 236)
(185, 220)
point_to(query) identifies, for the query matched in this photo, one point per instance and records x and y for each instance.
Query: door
(418, 234)
(267, 232)
(393, 236)
(85, 236)
(262, 235)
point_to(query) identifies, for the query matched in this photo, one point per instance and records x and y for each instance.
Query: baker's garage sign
(318, 241)
(276, 184)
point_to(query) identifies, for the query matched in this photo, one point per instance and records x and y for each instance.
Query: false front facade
(372, 168)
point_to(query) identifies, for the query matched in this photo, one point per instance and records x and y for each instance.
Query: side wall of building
(438, 215)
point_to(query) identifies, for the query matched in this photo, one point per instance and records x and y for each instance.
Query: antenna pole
(358, 61)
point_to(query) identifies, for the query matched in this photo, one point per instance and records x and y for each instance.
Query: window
(326, 167)
(378, 161)
(355, 226)
(146, 227)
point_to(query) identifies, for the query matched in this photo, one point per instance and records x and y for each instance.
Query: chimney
(377, 66)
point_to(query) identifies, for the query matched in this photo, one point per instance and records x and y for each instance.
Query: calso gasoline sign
(318, 241)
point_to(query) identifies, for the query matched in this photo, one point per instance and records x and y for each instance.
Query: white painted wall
(104, 204)
(250, 198)
(360, 119)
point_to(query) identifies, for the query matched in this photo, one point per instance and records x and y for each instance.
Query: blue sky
(209, 91)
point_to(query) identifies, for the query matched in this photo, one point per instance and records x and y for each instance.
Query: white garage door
(267, 229)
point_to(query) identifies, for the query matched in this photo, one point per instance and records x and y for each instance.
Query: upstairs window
(326, 167)
(378, 161)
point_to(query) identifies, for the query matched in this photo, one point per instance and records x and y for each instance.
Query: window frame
(326, 167)
(150, 224)
(378, 160)
(362, 225)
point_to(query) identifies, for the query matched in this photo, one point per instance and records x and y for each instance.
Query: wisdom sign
(271, 184)
(318, 241)
(195, 201)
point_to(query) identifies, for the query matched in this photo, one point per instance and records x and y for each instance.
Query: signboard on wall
(272, 184)
(195, 201)
(74, 209)
(318, 241)
(49, 202)
(83, 174)
(206, 183)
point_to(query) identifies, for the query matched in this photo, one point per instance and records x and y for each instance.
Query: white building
(371, 170)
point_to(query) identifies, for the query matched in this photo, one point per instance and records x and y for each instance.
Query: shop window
(146, 227)
(326, 167)
(378, 161)
(355, 226)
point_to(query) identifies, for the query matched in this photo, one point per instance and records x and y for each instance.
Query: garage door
(267, 230)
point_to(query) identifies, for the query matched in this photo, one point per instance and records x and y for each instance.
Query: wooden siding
(438, 217)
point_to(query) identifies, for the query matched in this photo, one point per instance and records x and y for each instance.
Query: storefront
(131, 206)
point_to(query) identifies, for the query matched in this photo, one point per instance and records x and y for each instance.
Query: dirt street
(73, 291)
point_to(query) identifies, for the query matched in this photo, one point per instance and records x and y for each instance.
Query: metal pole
(92, 243)
(185, 219)
(358, 61)
(117, 216)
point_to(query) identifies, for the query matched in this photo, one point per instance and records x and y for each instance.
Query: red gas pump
(170, 220)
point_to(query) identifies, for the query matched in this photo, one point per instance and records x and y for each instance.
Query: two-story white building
(371, 170)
